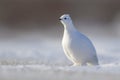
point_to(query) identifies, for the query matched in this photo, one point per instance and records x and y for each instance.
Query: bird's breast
(68, 40)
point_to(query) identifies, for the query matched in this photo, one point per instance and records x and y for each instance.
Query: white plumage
(77, 47)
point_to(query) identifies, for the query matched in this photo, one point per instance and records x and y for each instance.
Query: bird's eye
(65, 18)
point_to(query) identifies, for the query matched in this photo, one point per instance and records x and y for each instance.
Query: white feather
(77, 47)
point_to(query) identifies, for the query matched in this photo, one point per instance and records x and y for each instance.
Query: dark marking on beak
(60, 19)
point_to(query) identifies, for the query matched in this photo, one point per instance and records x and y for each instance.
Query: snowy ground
(43, 72)
(45, 60)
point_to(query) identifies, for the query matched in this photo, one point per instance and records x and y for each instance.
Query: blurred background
(95, 17)
(32, 25)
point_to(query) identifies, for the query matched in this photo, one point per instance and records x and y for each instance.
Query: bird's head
(65, 19)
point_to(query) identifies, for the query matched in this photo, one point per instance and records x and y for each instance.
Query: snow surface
(34, 60)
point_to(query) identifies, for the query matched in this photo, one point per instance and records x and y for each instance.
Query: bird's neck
(69, 27)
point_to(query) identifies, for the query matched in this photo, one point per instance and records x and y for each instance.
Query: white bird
(77, 47)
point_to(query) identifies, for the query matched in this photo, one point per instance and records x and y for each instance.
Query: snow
(35, 60)
(45, 72)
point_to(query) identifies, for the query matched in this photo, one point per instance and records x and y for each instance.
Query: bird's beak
(60, 19)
